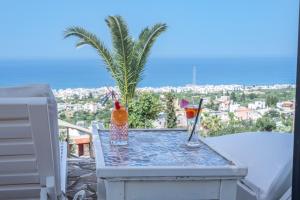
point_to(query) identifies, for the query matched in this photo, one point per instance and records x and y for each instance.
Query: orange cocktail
(193, 117)
(119, 125)
(191, 112)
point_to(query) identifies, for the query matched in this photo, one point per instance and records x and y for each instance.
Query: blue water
(159, 72)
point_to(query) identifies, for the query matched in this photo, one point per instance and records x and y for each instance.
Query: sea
(91, 73)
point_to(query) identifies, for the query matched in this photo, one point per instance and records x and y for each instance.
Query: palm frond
(147, 38)
(87, 38)
(127, 60)
(123, 45)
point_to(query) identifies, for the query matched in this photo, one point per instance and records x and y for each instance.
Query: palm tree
(126, 61)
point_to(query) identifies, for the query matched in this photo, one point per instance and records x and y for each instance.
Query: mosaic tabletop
(158, 148)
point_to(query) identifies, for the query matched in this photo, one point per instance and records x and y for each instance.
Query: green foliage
(233, 96)
(286, 123)
(243, 97)
(274, 120)
(271, 100)
(212, 105)
(62, 135)
(170, 111)
(272, 114)
(105, 115)
(237, 126)
(252, 96)
(287, 120)
(126, 61)
(212, 124)
(265, 124)
(101, 115)
(144, 110)
(62, 116)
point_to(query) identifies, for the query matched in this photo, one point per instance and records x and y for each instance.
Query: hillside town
(71, 101)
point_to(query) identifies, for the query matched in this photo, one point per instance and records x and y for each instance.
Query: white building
(257, 105)
(233, 107)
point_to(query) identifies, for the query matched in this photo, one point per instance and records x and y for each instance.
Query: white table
(157, 165)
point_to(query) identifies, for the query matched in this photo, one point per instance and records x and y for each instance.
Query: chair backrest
(27, 152)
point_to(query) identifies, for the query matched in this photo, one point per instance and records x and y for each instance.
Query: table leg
(114, 190)
(228, 190)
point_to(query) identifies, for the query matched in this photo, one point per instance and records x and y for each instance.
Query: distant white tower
(194, 75)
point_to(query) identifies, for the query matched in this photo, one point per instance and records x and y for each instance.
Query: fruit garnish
(119, 115)
(191, 112)
(184, 103)
(117, 105)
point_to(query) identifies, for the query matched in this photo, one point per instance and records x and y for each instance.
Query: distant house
(224, 103)
(286, 106)
(243, 113)
(224, 98)
(233, 107)
(257, 105)
(224, 106)
(90, 107)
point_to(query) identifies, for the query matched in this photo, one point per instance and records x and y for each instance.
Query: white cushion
(268, 157)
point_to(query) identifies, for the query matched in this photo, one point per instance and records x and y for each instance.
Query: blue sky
(33, 29)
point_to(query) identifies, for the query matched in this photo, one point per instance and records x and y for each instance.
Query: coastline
(201, 89)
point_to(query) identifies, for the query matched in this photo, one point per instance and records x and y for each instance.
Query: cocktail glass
(118, 134)
(191, 113)
(119, 125)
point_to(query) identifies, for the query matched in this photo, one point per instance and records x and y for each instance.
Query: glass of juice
(119, 125)
(191, 113)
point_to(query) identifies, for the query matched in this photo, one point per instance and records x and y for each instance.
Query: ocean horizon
(91, 73)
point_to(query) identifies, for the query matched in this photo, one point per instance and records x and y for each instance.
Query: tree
(272, 114)
(104, 115)
(243, 97)
(126, 61)
(233, 96)
(144, 110)
(286, 123)
(212, 105)
(62, 116)
(271, 100)
(252, 96)
(212, 124)
(170, 111)
(265, 124)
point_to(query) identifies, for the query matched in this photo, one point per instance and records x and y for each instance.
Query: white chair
(268, 157)
(32, 161)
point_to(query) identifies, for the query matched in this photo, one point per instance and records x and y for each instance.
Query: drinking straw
(196, 120)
